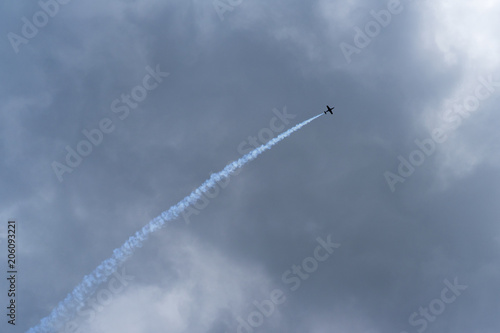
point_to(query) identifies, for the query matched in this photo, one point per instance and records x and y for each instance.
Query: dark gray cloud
(398, 249)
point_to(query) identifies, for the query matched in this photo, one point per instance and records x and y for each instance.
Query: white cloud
(459, 37)
(466, 27)
(201, 288)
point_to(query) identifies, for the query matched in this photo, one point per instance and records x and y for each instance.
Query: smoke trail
(67, 308)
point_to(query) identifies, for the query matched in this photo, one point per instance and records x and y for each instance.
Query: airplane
(329, 109)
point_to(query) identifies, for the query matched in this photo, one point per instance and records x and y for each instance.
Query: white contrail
(67, 308)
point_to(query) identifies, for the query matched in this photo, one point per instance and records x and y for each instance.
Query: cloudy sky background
(226, 77)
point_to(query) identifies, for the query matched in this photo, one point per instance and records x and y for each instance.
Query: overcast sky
(380, 218)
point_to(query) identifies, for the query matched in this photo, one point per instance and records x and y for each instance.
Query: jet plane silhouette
(329, 110)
